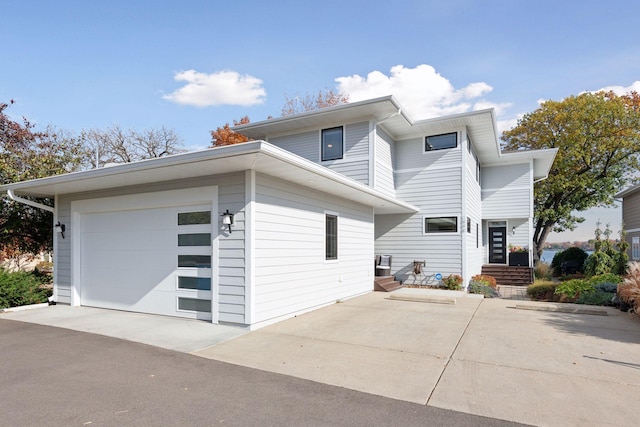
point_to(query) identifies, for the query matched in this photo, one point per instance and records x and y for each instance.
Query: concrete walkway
(478, 356)
(182, 335)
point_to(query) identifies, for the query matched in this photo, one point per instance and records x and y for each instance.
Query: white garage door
(153, 260)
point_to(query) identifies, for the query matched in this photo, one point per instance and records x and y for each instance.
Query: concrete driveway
(482, 357)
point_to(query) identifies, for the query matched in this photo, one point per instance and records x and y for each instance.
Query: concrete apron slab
(182, 335)
(392, 348)
(545, 368)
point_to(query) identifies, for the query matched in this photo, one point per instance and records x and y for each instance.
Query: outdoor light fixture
(227, 219)
(513, 231)
(59, 228)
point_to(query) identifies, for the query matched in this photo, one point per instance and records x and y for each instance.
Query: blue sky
(195, 65)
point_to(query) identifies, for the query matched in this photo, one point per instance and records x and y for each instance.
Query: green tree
(29, 154)
(598, 137)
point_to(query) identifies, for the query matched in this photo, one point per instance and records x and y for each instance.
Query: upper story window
(332, 143)
(441, 142)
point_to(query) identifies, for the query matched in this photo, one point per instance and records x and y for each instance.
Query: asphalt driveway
(52, 376)
(480, 357)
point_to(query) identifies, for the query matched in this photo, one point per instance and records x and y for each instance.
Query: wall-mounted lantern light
(59, 228)
(227, 219)
(513, 231)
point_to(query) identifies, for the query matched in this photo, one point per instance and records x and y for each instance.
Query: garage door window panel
(194, 261)
(191, 218)
(194, 283)
(194, 239)
(194, 305)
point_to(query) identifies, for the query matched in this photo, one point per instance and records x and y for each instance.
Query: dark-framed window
(447, 224)
(441, 142)
(196, 283)
(332, 143)
(189, 218)
(331, 237)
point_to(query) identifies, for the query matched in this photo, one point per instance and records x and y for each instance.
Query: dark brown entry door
(497, 245)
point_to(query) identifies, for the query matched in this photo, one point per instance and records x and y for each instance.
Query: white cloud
(499, 107)
(621, 90)
(220, 88)
(421, 90)
(507, 124)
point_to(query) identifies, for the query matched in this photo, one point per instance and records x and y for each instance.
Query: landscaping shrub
(543, 290)
(452, 282)
(573, 254)
(485, 280)
(599, 263)
(596, 298)
(629, 289)
(477, 287)
(21, 288)
(572, 289)
(542, 270)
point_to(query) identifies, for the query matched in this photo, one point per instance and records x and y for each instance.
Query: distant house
(256, 232)
(631, 219)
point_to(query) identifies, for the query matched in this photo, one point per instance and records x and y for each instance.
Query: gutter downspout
(397, 113)
(15, 198)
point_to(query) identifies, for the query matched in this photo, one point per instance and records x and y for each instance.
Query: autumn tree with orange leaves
(225, 136)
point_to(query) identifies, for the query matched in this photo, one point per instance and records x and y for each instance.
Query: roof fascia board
(148, 164)
(315, 113)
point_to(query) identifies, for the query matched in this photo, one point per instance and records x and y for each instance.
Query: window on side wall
(331, 237)
(447, 224)
(635, 248)
(441, 142)
(332, 143)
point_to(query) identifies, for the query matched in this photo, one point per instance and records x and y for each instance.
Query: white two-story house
(256, 232)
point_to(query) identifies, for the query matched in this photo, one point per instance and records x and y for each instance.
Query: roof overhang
(627, 192)
(387, 112)
(542, 160)
(259, 156)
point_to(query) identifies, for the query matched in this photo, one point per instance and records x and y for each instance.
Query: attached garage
(149, 236)
(149, 258)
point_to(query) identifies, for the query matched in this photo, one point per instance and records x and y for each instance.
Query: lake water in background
(548, 254)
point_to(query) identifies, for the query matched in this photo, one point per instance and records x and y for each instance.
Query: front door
(497, 245)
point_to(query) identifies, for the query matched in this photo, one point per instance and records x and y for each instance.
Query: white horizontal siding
(355, 163)
(474, 255)
(506, 203)
(62, 255)
(506, 191)
(384, 181)
(231, 246)
(517, 175)
(436, 191)
(305, 144)
(358, 170)
(410, 154)
(357, 140)
(291, 274)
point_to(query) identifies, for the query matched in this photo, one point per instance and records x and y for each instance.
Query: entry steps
(386, 284)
